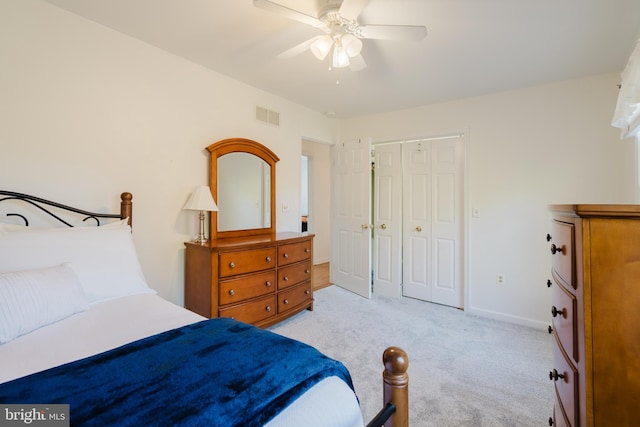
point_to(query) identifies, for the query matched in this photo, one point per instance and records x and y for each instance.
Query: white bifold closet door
(432, 206)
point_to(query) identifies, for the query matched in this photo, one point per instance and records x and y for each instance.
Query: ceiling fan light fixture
(352, 45)
(339, 59)
(321, 47)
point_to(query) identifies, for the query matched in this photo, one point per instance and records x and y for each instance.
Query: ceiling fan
(343, 33)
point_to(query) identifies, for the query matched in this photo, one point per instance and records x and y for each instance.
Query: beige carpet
(464, 370)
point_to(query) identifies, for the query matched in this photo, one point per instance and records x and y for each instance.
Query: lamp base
(200, 238)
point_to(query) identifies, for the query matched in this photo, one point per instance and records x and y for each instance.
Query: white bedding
(115, 322)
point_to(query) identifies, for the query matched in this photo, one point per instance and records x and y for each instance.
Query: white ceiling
(473, 47)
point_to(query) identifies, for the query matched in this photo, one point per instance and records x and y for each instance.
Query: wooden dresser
(257, 279)
(595, 252)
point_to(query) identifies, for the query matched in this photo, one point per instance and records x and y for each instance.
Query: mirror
(242, 182)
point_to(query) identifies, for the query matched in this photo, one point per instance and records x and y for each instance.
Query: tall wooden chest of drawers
(259, 280)
(595, 315)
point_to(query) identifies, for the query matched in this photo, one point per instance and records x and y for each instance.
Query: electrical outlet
(500, 279)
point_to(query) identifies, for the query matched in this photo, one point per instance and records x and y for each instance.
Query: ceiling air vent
(267, 116)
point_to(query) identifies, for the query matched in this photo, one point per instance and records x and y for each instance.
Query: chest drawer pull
(285, 256)
(555, 376)
(307, 250)
(268, 284)
(549, 283)
(548, 237)
(268, 259)
(555, 312)
(556, 250)
(550, 329)
(286, 301)
(232, 292)
(307, 292)
(268, 308)
(232, 264)
(285, 278)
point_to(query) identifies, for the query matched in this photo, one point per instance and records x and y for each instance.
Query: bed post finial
(396, 385)
(126, 207)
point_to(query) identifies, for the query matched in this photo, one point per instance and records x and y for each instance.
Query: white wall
(525, 149)
(87, 112)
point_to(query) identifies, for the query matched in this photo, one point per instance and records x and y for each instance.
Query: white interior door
(432, 215)
(387, 221)
(351, 237)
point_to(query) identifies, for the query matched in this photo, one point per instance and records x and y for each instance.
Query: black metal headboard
(46, 205)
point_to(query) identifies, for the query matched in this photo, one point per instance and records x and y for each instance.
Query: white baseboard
(536, 324)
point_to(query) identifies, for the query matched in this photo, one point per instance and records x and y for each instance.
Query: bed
(79, 326)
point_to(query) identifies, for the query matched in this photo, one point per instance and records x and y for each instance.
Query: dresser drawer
(294, 296)
(562, 250)
(289, 254)
(294, 274)
(233, 263)
(565, 378)
(251, 312)
(563, 312)
(246, 287)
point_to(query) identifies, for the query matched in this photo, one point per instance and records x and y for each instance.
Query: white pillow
(34, 298)
(104, 258)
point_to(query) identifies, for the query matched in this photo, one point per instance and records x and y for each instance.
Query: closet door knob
(365, 226)
(383, 226)
(418, 228)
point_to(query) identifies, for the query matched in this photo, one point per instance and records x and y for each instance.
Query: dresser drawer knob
(307, 292)
(286, 301)
(306, 270)
(555, 376)
(556, 250)
(268, 284)
(307, 250)
(555, 312)
(548, 237)
(268, 259)
(232, 264)
(550, 329)
(550, 422)
(285, 278)
(285, 256)
(232, 292)
(268, 308)
(549, 283)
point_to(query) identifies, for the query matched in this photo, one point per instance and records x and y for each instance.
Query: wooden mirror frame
(240, 145)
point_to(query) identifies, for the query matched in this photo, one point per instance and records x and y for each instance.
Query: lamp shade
(321, 46)
(201, 200)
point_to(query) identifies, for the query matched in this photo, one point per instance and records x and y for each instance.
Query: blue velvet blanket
(217, 372)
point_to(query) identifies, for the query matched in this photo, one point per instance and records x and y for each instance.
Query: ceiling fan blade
(298, 49)
(350, 9)
(357, 63)
(287, 12)
(393, 32)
